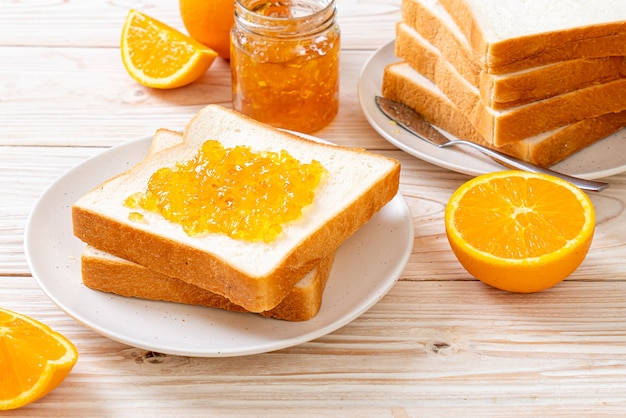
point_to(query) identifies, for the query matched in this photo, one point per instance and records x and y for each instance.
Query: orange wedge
(518, 231)
(34, 359)
(159, 56)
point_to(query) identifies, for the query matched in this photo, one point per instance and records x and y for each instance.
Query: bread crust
(441, 111)
(551, 80)
(207, 271)
(104, 272)
(502, 127)
(425, 21)
(509, 55)
(125, 278)
(255, 293)
(503, 91)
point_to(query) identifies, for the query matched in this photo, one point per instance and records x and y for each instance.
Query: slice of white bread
(431, 20)
(499, 127)
(108, 273)
(500, 91)
(510, 35)
(402, 83)
(256, 276)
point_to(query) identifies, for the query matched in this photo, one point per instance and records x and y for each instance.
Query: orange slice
(518, 231)
(159, 56)
(34, 359)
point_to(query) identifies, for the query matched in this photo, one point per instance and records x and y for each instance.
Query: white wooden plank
(448, 348)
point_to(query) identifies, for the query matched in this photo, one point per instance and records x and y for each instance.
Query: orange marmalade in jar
(285, 62)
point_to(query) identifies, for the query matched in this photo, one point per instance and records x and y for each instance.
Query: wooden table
(439, 344)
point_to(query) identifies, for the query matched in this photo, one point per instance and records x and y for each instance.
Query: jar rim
(325, 5)
(254, 21)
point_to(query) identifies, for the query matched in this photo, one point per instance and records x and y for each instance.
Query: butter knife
(413, 122)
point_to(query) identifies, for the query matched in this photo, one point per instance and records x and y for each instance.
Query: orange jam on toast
(234, 191)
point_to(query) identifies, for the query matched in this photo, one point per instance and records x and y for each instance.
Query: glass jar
(285, 62)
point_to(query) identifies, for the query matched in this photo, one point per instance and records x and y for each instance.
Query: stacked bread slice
(510, 75)
(152, 258)
(107, 273)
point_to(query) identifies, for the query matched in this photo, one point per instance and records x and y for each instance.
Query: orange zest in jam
(299, 94)
(234, 191)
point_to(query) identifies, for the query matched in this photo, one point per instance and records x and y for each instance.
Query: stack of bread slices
(539, 80)
(152, 258)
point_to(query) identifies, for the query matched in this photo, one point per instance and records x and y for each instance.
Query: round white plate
(366, 267)
(602, 159)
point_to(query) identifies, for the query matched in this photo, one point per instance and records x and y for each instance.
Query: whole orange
(209, 22)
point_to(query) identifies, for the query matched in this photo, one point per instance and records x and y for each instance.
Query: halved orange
(159, 56)
(518, 231)
(34, 359)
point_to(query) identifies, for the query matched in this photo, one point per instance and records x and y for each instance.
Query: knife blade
(414, 123)
(410, 120)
